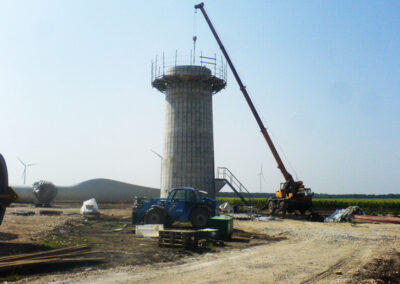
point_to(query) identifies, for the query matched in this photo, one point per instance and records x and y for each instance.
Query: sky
(76, 95)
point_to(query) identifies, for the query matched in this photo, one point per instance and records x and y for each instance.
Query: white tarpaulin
(344, 214)
(225, 207)
(90, 207)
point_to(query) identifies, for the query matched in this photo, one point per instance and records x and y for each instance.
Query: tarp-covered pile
(90, 208)
(344, 215)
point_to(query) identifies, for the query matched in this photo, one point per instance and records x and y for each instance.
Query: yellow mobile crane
(292, 194)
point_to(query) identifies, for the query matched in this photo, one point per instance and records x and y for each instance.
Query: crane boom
(288, 177)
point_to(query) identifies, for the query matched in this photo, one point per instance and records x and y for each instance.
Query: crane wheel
(283, 206)
(199, 217)
(271, 207)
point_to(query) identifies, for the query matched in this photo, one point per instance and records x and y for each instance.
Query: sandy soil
(310, 253)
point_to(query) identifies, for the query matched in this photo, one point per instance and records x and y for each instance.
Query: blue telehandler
(184, 204)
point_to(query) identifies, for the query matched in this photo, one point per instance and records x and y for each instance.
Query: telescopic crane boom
(281, 166)
(290, 186)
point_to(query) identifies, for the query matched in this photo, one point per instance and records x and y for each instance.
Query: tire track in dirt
(326, 273)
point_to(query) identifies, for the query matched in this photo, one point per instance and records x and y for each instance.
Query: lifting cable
(194, 35)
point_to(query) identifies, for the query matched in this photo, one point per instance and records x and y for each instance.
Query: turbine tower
(25, 166)
(188, 159)
(261, 175)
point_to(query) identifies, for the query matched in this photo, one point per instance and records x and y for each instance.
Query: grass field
(370, 206)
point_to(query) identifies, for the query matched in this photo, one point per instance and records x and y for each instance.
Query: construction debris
(20, 212)
(376, 219)
(50, 212)
(120, 229)
(225, 207)
(242, 216)
(148, 230)
(344, 215)
(74, 254)
(264, 218)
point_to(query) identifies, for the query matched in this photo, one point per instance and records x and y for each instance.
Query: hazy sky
(76, 96)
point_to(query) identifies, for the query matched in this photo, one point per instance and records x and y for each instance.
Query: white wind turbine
(261, 176)
(25, 166)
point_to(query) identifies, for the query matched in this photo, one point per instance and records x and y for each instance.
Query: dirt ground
(278, 251)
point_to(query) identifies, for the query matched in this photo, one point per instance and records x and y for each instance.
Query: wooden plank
(24, 263)
(44, 253)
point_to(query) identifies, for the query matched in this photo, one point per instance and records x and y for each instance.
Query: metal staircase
(225, 176)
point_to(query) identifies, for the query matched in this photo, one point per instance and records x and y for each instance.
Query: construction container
(224, 224)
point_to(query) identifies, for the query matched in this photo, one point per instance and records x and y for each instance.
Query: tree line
(318, 195)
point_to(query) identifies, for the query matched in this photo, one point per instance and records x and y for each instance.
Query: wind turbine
(261, 176)
(25, 166)
(161, 157)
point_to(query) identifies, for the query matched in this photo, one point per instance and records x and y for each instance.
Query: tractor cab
(180, 201)
(308, 192)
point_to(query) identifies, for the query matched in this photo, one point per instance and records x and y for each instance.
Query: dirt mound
(380, 270)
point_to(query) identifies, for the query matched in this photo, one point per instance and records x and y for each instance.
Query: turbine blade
(21, 161)
(34, 164)
(161, 157)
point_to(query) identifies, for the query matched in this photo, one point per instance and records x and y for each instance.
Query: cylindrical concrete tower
(188, 158)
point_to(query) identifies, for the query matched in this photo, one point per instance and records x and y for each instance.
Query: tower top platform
(208, 70)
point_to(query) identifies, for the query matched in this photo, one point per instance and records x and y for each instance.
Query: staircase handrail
(225, 173)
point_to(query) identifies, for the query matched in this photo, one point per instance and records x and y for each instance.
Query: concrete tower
(188, 158)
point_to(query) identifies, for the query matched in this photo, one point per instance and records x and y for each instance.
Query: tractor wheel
(155, 216)
(199, 217)
(3, 185)
(271, 207)
(2, 212)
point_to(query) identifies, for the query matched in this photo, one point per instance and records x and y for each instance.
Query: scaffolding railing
(161, 64)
